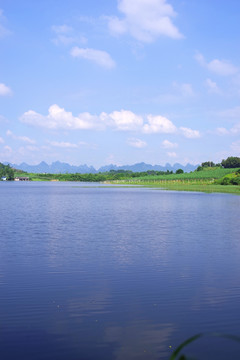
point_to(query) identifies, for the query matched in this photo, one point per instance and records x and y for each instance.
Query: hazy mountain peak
(61, 167)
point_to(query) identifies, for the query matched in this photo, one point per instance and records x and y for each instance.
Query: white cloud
(63, 144)
(137, 143)
(26, 139)
(99, 57)
(8, 149)
(219, 67)
(189, 133)
(5, 90)
(21, 138)
(87, 19)
(222, 131)
(235, 146)
(145, 20)
(68, 40)
(159, 124)
(200, 59)
(1, 140)
(29, 151)
(66, 35)
(232, 114)
(184, 90)
(212, 87)
(62, 29)
(172, 154)
(58, 118)
(235, 129)
(122, 120)
(169, 145)
(187, 90)
(223, 68)
(7, 153)
(3, 30)
(112, 159)
(179, 92)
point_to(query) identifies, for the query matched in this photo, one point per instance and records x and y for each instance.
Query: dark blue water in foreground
(116, 273)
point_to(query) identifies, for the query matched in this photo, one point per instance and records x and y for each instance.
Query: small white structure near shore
(21, 178)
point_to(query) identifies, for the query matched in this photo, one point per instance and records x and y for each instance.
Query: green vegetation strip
(207, 180)
(207, 188)
(204, 179)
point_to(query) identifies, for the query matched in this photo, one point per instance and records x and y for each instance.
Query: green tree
(179, 171)
(231, 162)
(6, 171)
(208, 164)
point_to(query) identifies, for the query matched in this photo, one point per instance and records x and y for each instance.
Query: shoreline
(205, 187)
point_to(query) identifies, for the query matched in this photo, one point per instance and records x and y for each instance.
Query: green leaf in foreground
(194, 338)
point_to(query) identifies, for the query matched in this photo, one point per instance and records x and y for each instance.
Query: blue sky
(99, 82)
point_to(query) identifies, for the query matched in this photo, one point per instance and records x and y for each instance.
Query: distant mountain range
(58, 167)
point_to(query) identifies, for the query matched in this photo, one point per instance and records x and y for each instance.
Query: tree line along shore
(210, 177)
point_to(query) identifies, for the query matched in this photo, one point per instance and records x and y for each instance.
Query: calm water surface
(116, 273)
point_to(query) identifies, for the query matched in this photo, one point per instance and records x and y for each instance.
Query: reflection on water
(140, 340)
(115, 273)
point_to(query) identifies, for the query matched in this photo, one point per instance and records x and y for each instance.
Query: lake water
(90, 272)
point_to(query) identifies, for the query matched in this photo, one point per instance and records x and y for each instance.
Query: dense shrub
(231, 179)
(6, 171)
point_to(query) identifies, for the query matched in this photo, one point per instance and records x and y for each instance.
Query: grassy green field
(205, 174)
(203, 181)
(206, 180)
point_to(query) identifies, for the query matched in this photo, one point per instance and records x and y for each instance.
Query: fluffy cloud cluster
(123, 120)
(5, 90)
(58, 118)
(189, 133)
(158, 124)
(145, 20)
(220, 67)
